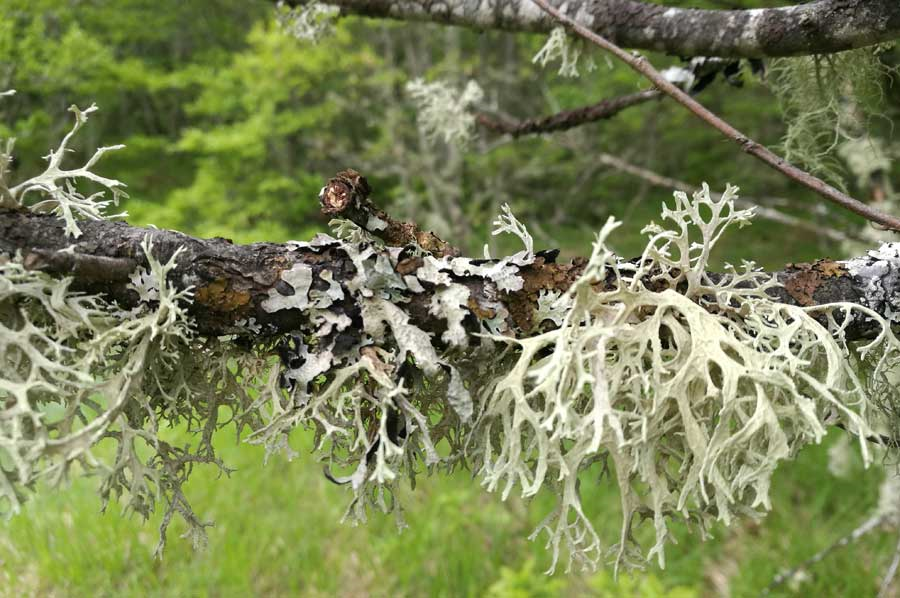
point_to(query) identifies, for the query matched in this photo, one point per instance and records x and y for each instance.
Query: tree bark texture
(819, 27)
(231, 282)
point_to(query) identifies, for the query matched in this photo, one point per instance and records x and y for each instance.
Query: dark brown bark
(347, 196)
(567, 119)
(231, 281)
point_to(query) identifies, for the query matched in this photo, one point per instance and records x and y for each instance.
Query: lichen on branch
(56, 189)
(403, 358)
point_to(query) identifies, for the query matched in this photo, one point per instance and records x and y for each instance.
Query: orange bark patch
(219, 296)
(537, 277)
(805, 279)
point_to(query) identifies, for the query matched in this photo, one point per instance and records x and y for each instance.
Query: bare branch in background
(867, 526)
(762, 211)
(566, 119)
(643, 66)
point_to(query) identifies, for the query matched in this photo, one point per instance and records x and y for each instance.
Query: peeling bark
(231, 282)
(819, 27)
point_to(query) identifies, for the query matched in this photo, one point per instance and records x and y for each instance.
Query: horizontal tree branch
(819, 27)
(231, 282)
(566, 119)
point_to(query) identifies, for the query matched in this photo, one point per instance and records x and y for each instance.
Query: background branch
(643, 66)
(762, 211)
(566, 119)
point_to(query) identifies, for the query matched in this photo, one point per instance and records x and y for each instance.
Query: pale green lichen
(827, 100)
(445, 112)
(56, 188)
(568, 52)
(690, 393)
(78, 372)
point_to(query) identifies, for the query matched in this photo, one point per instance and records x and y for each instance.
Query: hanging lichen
(443, 111)
(567, 51)
(827, 100)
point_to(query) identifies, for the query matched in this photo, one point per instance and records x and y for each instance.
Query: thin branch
(643, 66)
(762, 211)
(867, 526)
(876, 439)
(567, 119)
(347, 196)
(890, 573)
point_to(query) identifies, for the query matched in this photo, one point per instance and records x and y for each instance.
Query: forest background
(231, 127)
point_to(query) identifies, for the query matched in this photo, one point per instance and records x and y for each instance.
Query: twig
(867, 526)
(890, 573)
(347, 196)
(643, 66)
(567, 119)
(763, 211)
(879, 439)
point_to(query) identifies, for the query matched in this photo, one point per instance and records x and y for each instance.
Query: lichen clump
(688, 387)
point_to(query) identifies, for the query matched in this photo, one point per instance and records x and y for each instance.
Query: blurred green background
(231, 128)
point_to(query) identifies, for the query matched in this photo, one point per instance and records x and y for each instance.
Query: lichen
(56, 188)
(77, 372)
(827, 101)
(689, 387)
(445, 112)
(568, 52)
(308, 22)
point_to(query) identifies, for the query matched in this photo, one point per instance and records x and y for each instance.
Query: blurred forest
(232, 126)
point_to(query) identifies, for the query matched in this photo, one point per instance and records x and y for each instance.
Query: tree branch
(567, 119)
(642, 66)
(762, 211)
(347, 196)
(232, 282)
(819, 27)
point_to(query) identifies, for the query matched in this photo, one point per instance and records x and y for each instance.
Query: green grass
(278, 533)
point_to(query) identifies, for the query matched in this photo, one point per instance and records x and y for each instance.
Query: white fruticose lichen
(444, 111)
(689, 388)
(76, 371)
(56, 187)
(559, 47)
(308, 22)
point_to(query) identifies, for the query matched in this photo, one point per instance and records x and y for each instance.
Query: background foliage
(231, 128)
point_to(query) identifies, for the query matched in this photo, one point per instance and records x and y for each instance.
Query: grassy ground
(278, 533)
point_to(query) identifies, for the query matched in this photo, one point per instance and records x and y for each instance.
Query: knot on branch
(346, 195)
(348, 189)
